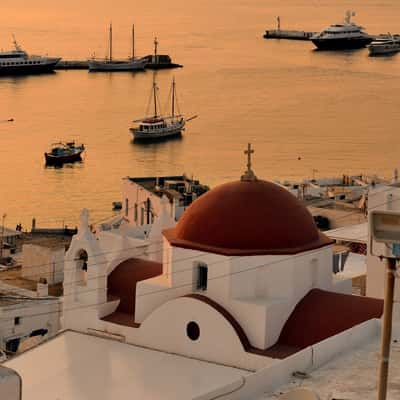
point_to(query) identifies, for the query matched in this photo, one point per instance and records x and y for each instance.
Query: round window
(193, 330)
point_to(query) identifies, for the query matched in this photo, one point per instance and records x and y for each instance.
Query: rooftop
(160, 185)
(222, 221)
(352, 375)
(81, 367)
(352, 233)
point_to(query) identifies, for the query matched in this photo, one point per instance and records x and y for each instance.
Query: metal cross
(249, 152)
(249, 174)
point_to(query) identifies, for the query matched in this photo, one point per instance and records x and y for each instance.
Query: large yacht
(345, 35)
(18, 61)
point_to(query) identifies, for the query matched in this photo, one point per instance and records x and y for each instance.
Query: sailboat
(110, 64)
(157, 126)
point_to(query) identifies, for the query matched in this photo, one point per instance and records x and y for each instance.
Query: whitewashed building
(26, 317)
(228, 303)
(142, 196)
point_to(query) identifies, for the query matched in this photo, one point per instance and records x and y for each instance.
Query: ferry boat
(157, 126)
(62, 153)
(110, 65)
(385, 45)
(19, 62)
(342, 36)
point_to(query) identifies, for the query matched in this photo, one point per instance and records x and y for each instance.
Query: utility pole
(385, 230)
(386, 328)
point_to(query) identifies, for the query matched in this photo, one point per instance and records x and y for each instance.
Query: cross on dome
(249, 174)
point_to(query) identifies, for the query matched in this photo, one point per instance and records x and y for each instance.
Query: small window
(17, 321)
(202, 277)
(193, 330)
(135, 212)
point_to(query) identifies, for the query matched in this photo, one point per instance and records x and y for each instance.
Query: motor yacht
(19, 62)
(342, 36)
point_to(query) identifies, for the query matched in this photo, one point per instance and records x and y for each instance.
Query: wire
(160, 241)
(190, 284)
(224, 260)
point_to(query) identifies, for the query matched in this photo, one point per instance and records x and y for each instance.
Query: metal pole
(110, 55)
(133, 42)
(386, 328)
(2, 237)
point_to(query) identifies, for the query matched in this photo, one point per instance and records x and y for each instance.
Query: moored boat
(159, 127)
(19, 62)
(109, 64)
(382, 46)
(159, 61)
(342, 36)
(62, 153)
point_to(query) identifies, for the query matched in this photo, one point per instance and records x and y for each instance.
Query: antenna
(17, 46)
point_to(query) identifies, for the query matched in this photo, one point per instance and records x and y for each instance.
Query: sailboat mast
(155, 98)
(173, 97)
(110, 55)
(133, 42)
(155, 50)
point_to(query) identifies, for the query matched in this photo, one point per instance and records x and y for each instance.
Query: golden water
(302, 109)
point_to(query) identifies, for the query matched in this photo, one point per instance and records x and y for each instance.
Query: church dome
(247, 217)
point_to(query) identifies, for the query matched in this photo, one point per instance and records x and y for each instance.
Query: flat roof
(350, 233)
(352, 375)
(82, 367)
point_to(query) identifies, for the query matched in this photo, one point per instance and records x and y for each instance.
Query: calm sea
(302, 109)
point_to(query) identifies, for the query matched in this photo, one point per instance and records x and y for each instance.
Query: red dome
(247, 218)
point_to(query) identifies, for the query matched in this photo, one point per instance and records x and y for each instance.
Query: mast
(173, 97)
(155, 98)
(110, 39)
(133, 42)
(155, 50)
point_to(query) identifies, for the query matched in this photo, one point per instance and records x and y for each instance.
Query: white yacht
(109, 64)
(19, 62)
(342, 36)
(157, 126)
(384, 45)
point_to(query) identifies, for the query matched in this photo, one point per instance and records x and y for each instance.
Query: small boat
(384, 45)
(62, 153)
(157, 126)
(159, 61)
(342, 36)
(117, 205)
(19, 62)
(109, 64)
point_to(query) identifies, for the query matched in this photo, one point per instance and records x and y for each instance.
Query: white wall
(135, 194)
(42, 262)
(33, 315)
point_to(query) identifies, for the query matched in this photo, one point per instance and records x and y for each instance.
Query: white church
(228, 303)
(243, 277)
